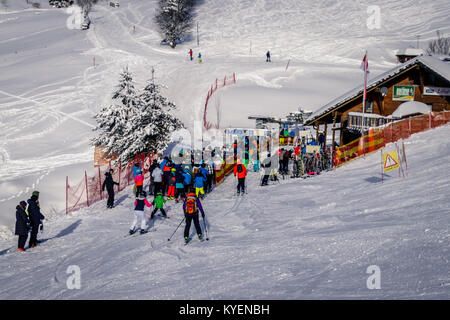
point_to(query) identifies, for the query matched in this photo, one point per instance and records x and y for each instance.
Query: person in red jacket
(240, 172)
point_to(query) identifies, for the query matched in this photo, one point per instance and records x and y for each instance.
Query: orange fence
(217, 85)
(89, 189)
(378, 137)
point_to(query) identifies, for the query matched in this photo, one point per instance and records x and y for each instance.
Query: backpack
(239, 168)
(191, 205)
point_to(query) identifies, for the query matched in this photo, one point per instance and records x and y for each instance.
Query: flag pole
(364, 94)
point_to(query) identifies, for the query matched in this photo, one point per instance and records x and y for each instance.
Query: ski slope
(300, 239)
(50, 88)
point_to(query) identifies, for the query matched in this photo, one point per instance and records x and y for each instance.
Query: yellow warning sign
(390, 161)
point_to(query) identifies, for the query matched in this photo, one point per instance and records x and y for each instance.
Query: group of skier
(29, 220)
(176, 183)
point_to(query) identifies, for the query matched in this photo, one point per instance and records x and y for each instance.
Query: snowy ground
(281, 242)
(300, 239)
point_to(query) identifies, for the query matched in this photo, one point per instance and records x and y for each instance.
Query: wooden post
(325, 137)
(100, 183)
(317, 131)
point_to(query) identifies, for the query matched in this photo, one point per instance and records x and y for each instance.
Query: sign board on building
(436, 91)
(403, 93)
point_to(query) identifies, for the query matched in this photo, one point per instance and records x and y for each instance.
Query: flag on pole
(365, 68)
(365, 64)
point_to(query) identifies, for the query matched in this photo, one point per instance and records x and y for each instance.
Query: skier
(190, 54)
(171, 182)
(157, 179)
(266, 164)
(136, 170)
(187, 180)
(199, 57)
(22, 225)
(35, 216)
(268, 56)
(199, 183)
(158, 203)
(240, 171)
(179, 187)
(109, 184)
(152, 180)
(139, 204)
(204, 173)
(191, 206)
(139, 182)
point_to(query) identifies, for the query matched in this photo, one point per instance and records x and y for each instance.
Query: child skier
(22, 225)
(158, 203)
(139, 182)
(199, 183)
(139, 204)
(172, 183)
(191, 207)
(179, 180)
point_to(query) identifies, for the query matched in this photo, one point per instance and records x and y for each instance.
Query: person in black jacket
(22, 225)
(109, 184)
(35, 216)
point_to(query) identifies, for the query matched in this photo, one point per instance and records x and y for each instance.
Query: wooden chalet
(424, 79)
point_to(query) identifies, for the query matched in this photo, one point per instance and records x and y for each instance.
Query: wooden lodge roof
(437, 65)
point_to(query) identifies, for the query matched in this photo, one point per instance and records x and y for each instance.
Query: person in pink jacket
(139, 205)
(139, 182)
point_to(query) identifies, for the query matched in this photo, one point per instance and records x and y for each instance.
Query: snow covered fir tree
(174, 20)
(137, 122)
(60, 3)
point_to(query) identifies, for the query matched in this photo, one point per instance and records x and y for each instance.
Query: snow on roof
(411, 107)
(438, 65)
(410, 52)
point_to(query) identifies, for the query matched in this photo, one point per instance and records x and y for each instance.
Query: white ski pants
(139, 216)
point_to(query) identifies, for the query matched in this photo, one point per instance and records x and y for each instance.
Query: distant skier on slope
(139, 215)
(190, 54)
(191, 207)
(268, 56)
(109, 184)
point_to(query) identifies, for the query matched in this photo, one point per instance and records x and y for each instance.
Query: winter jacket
(172, 179)
(34, 211)
(199, 181)
(158, 202)
(204, 172)
(140, 203)
(199, 204)
(109, 183)
(163, 163)
(187, 177)
(139, 180)
(241, 174)
(22, 222)
(157, 175)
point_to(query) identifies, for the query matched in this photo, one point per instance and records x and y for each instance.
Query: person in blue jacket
(179, 185)
(187, 179)
(199, 183)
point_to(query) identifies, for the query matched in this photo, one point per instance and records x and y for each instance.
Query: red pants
(171, 191)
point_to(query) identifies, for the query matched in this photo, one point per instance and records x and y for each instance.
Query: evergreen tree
(60, 3)
(439, 46)
(113, 121)
(174, 19)
(137, 123)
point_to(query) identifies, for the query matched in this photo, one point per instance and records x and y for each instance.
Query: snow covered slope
(300, 239)
(49, 88)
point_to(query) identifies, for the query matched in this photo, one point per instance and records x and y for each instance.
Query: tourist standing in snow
(190, 54)
(187, 179)
(199, 57)
(179, 187)
(136, 170)
(172, 183)
(109, 184)
(266, 166)
(240, 172)
(139, 214)
(157, 180)
(35, 216)
(139, 182)
(268, 56)
(191, 207)
(152, 180)
(22, 225)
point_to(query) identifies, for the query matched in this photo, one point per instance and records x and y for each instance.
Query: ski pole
(176, 229)
(206, 230)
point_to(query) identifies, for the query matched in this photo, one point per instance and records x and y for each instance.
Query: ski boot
(132, 232)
